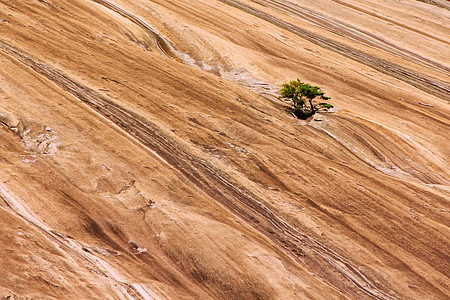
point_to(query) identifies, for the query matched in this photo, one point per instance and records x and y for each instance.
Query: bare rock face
(8, 119)
(35, 140)
(145, 154)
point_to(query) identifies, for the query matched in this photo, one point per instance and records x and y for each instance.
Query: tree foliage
(300, 93)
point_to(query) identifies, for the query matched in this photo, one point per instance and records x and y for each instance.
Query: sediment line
(73, 249)
(353, 33)
(162, 45)
(425, 83)
(378, 16)
(439, 3)
(213, 182)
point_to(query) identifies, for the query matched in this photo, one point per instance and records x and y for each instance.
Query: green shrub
(299, 92)
(326, 105)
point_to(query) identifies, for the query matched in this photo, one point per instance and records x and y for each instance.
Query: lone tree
(299, 92)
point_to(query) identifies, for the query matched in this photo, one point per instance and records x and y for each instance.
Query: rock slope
(144, 153)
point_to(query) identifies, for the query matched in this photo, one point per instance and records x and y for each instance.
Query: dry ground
(144, 153)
